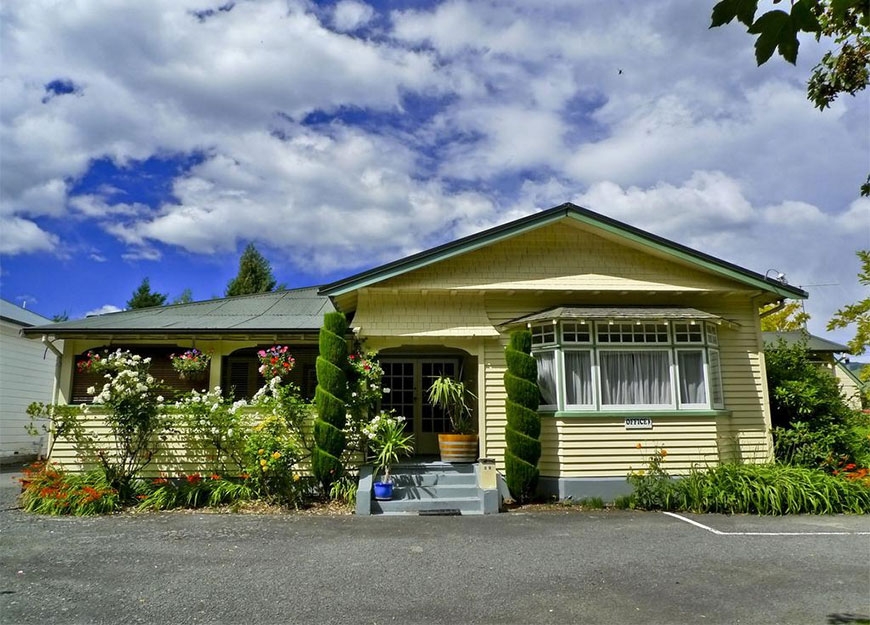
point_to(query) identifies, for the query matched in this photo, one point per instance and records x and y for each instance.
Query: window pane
(547, 377)
(692, 387)
(578, 378)
(632, 333)
(576, 332)
(688, 333)
(543, 334)
(716, 393)
(633, 378)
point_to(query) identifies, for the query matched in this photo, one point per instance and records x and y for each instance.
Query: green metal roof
(621, 313)
(552, 215)
(20, 316)
(801, 337)
(280, 311)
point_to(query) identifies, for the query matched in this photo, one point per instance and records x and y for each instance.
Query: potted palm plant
(451, 396)
(387, 441)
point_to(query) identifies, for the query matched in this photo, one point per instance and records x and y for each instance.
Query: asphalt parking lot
(551, 567)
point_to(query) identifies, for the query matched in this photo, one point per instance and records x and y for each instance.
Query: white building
(27, 370)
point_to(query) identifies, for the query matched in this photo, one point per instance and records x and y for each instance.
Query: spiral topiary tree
(523, 429)
(330, 397)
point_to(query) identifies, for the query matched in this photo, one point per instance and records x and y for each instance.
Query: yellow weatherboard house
(637, 340)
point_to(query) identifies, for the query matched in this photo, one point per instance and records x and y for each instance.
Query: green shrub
(813, 426)
(653, 487)
(523, 422)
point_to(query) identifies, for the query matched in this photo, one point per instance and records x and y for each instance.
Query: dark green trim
(628, 414)
(531, 222)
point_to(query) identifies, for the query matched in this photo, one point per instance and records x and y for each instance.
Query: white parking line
(720, 533)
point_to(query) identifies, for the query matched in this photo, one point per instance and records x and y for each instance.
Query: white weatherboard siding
(26, 375)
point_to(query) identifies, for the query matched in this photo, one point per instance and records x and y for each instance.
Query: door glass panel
(399, 378)
(434, 420)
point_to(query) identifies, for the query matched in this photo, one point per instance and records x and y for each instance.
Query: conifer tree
(330, 396)
(255, 274)
(523, 430)
(144, 297)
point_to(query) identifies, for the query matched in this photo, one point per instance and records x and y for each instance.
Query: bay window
(627, 365)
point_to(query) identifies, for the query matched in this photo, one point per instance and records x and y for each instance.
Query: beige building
(639, 340)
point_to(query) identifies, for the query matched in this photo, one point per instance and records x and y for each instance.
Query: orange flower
(638, 445)
(215, 476)
(664, 452)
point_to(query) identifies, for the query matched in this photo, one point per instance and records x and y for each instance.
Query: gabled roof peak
(553, 215)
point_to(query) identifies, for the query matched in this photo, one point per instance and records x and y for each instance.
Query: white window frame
(678, 377)
(558, 373)
(707, 346)
(593, 378)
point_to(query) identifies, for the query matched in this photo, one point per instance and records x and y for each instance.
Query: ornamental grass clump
(769, 489)
(46, 489)
(194, 491)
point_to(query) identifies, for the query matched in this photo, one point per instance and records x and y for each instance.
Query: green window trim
(631, 414)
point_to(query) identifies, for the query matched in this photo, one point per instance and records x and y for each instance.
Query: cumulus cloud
(349, 15)
(344, 136)
(103, 310)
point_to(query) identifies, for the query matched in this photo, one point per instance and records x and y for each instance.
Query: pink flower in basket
(275, 362)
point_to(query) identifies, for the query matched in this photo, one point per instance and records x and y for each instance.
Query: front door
(409, 381)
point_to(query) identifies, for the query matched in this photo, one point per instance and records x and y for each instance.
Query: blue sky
(158, 139)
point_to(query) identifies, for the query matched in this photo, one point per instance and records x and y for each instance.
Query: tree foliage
(791, 317)
(144, 297)
(186, 297)
(812, 424)
(523, 429)
(857, 314)
(846, 23)
(330, 397)
(255, 274)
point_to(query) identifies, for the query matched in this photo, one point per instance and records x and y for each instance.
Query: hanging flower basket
(275, 362)
(192, 364)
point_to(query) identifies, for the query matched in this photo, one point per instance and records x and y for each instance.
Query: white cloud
(103, 310)
(20, 235)
(349, 15)
(640, 112)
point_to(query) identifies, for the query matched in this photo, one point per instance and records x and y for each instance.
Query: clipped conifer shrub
(523, 430)
(330, 397)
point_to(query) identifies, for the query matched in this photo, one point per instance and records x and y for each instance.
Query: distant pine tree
(255, 274)
(144, 297)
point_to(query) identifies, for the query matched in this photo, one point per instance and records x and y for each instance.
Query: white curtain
(692, 387)
(547, 377)
(631, 378)
(578, 378)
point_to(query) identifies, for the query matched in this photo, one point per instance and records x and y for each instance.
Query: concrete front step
(428, 488)
(453, 505)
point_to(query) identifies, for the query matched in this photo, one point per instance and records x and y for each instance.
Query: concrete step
(452, 505)
(439, 491)
(428, 487)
